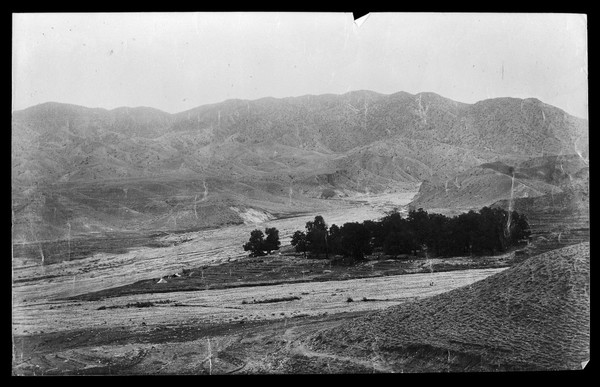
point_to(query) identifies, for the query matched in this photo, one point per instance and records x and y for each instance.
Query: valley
(128, 226)
(116, 319)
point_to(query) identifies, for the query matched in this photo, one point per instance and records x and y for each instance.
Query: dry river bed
(207, 331)
(36, 283)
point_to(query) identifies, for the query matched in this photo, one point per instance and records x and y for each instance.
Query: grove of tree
(489, 231)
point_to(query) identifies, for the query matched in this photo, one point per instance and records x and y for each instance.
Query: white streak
(205, 190)
(36, 239)
(209, 357)
(69, 240)
(510, 204)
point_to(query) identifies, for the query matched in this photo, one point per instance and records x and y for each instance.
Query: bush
(327, 193)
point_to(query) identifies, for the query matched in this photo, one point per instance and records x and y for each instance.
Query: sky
(177, 61)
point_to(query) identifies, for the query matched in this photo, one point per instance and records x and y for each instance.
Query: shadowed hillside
(534, 316)
(491, 182)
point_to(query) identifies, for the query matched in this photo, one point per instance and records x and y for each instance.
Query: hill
(77, 170)
(533, 316)
(489, 183)
(133, 142)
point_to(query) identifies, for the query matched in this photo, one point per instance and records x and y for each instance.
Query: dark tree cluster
(488, 231)
(259, 245)
(352, 239)
(314, 240)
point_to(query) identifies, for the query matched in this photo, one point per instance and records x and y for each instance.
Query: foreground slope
(534, 316)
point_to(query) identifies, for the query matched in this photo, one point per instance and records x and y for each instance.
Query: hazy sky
(176, 61)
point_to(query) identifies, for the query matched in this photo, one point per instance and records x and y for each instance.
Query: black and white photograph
(264, 193)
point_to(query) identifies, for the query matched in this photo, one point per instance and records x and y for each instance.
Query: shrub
(327, 193)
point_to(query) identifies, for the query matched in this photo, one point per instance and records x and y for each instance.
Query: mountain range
(79, 170)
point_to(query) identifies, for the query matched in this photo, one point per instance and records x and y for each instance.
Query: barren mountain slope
(534, 316)
(138, 139)
(492, 182)
(273, 155)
